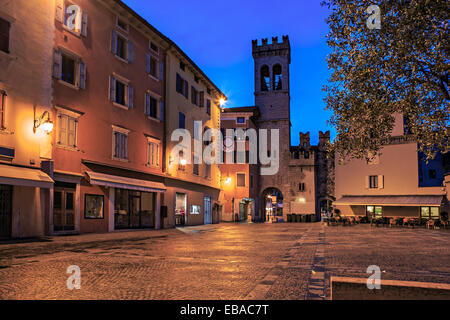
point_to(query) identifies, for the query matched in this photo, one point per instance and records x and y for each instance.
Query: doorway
(207, 217)
(5, 211)
(64, 209)
(134, 209)
(180, 209)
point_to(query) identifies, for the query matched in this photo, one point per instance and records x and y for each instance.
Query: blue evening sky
(217, 35)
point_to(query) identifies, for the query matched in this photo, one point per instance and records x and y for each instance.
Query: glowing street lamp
(43, 122)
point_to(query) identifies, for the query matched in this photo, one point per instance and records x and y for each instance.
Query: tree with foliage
(402, 67)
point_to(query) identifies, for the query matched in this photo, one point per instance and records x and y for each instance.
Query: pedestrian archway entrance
(272, 200)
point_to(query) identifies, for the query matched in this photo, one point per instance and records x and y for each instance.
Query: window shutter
(112, 88)
(130, 52)
(63, 129)
(367, 182)
(147, 103)
(84, 24)
(59, 13)
(71, 132)
(202, 99)
(186, 89)
(82, 81)
(178, 83)
(147, 62)
(57, 64)
(161, 110)
(114, 42)
(161, 71)
(380, 182)
(125, 146)
(130, 97)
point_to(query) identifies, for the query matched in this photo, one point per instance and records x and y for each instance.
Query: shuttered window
(240, 179)
(153, 154)
(151, 106)
(120, 145)
(67, 131)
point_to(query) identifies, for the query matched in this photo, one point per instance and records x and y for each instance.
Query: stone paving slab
(226, 261)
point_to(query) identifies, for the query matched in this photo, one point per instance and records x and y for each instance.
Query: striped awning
(108, 180)
(402, 200)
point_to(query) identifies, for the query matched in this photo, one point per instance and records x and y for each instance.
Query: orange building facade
(240, 178)
(108, 100)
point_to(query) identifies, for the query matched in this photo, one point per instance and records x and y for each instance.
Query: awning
(107, 180)
(27, 177)
(406, 200)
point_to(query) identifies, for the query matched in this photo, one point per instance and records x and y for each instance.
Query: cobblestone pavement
(226, 261)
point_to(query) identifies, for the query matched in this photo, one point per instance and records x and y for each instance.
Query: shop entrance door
(64, 209)
(135, 209)
(207, 219)
(5, 211)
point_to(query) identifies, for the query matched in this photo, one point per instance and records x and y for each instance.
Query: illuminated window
(429, 212)
(374, 212)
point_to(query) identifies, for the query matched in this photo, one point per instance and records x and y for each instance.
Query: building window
(195, 209)
(195, 96)
(153, 66)
(429, 212)
(207, 171)
(373, 182)
(122, 24)
(240, 179)
(67, 131)
(240, 120)
(195, 166)
(374, 212)
(301, 187)
(122, 47)
(181, 120)
(3, 96)
(120, 145)
(121, 92)
(153, 153)
(151, 106)
(306, 154)
(182, 86)
(69, 69)
(154, 47)
(182, 66)
(208, 106)
(5, 27)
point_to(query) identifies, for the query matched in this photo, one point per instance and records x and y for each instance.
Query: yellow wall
(25, 74)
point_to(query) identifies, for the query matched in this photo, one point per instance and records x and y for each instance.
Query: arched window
(265, 78)
(277, 77)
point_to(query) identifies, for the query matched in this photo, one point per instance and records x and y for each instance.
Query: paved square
(226, 261)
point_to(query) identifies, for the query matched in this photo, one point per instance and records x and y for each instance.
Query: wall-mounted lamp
(43, 122)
